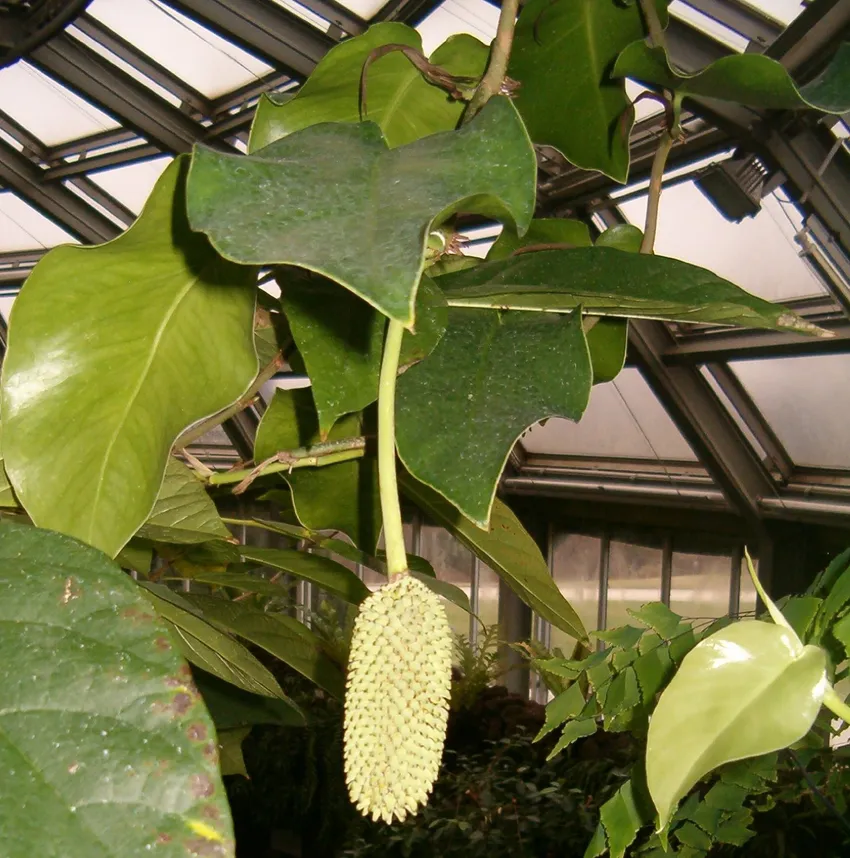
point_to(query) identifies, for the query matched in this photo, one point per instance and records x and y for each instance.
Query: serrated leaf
(624, 637)
(751, 774)
(735, 830)
(726, 796)
(573, 731)
(751, 79)
(834, 602)
(541, 232)
(331, 576)
(800, 612)
(493, 375)
(342, 496)
(112, 703)
(653, 669)
(605, 281)
(398, 98)
(507, 549)
(174, 344)
(284, 637)
(209, 648)
(562, 56)
(622, 820)
(825, 581)
(597, 845)
(658, 617)
(566, 705)
(841, 632)
(623, 693)
(747, 690)
(334, 199)
(184, 512)
(690, 835)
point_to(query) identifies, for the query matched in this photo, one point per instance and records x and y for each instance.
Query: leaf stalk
(497, 67)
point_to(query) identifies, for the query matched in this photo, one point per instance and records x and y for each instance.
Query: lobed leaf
(334, 199)
(172, 344)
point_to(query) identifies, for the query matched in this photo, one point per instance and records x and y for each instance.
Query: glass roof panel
(366, 9)
(624, 419)
(757, 254)
(6, 302)
(476, 17)
(131, 184)
(784, 11)
(305, 14)
(24, 228)
(797, 396)
(48, 110)
(204, 60)
(708, 25)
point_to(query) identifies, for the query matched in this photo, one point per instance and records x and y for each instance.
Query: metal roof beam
(52, 199)
(263, 29)
(131, 102)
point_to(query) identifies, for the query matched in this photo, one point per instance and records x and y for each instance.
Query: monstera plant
(425, 365)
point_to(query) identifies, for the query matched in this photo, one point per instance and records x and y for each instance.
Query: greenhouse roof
(96, 99)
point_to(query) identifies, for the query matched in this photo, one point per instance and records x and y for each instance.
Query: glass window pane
(476, 17)
(488, 596)
(759, 254)
(131, 184)
(24, 228)
(700, 585)
(453, 563)
(797, 396)
(634, 578)
(748, 596)
(575, 568)
(624, 418)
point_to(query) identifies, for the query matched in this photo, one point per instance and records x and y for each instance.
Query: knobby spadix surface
(335, 199)
(113, 351)
(111, 752)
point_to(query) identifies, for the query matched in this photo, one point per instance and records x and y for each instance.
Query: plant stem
(387, 478)
(303, 457)
(497, 68)
(836, 705)
(653, 24)
(200, 429)
(654, 197)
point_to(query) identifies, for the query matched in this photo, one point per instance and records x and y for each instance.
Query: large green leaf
(608, 282)
(746, 690)
(231, 707)
(183, 512)
(340, 339)
(284, 637)
(106, 748)
(331, 576)
(751, 79)
(113, 351)
(507, 549)
(562, 56)
(7, 494)
(398, 98)
(335, 199)
(209, 648)
(493, 375)
(541, 232)
(342, 496)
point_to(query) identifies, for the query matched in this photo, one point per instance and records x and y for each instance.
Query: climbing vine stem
(387, 479)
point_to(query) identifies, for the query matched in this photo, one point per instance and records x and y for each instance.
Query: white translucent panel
(488, 596)
(700, 585)
(747, 595)
(23, 228)
(634, 578)
(783, 11)
(453, 563)
(366, 9)
(304, 13)
(624, 418)
(802, 399)
(204, 60)
(706, 24)
(89, 42)
(575, 568)
(6, 302)
(131, 184)
(48, 110)
(757, 254)
(480, 240)
(645, 107)
(476, 17)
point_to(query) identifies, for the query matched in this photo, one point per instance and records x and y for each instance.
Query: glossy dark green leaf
(334, 199)
(207, 647)
(562, 56)
(460, 412)
(448, 591)
(607, 342)
(342, 496)
(284, 637)
(231, 760)
(326, 573)
(747, 690)
(507, 549)
(429, 326)
(541, 232)
(174, 343)
(751, 79)
(398, 98)
(106, 746)
(183, 512)
(231, 707)
(609, 282)
(621, 236)
(137, 554)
